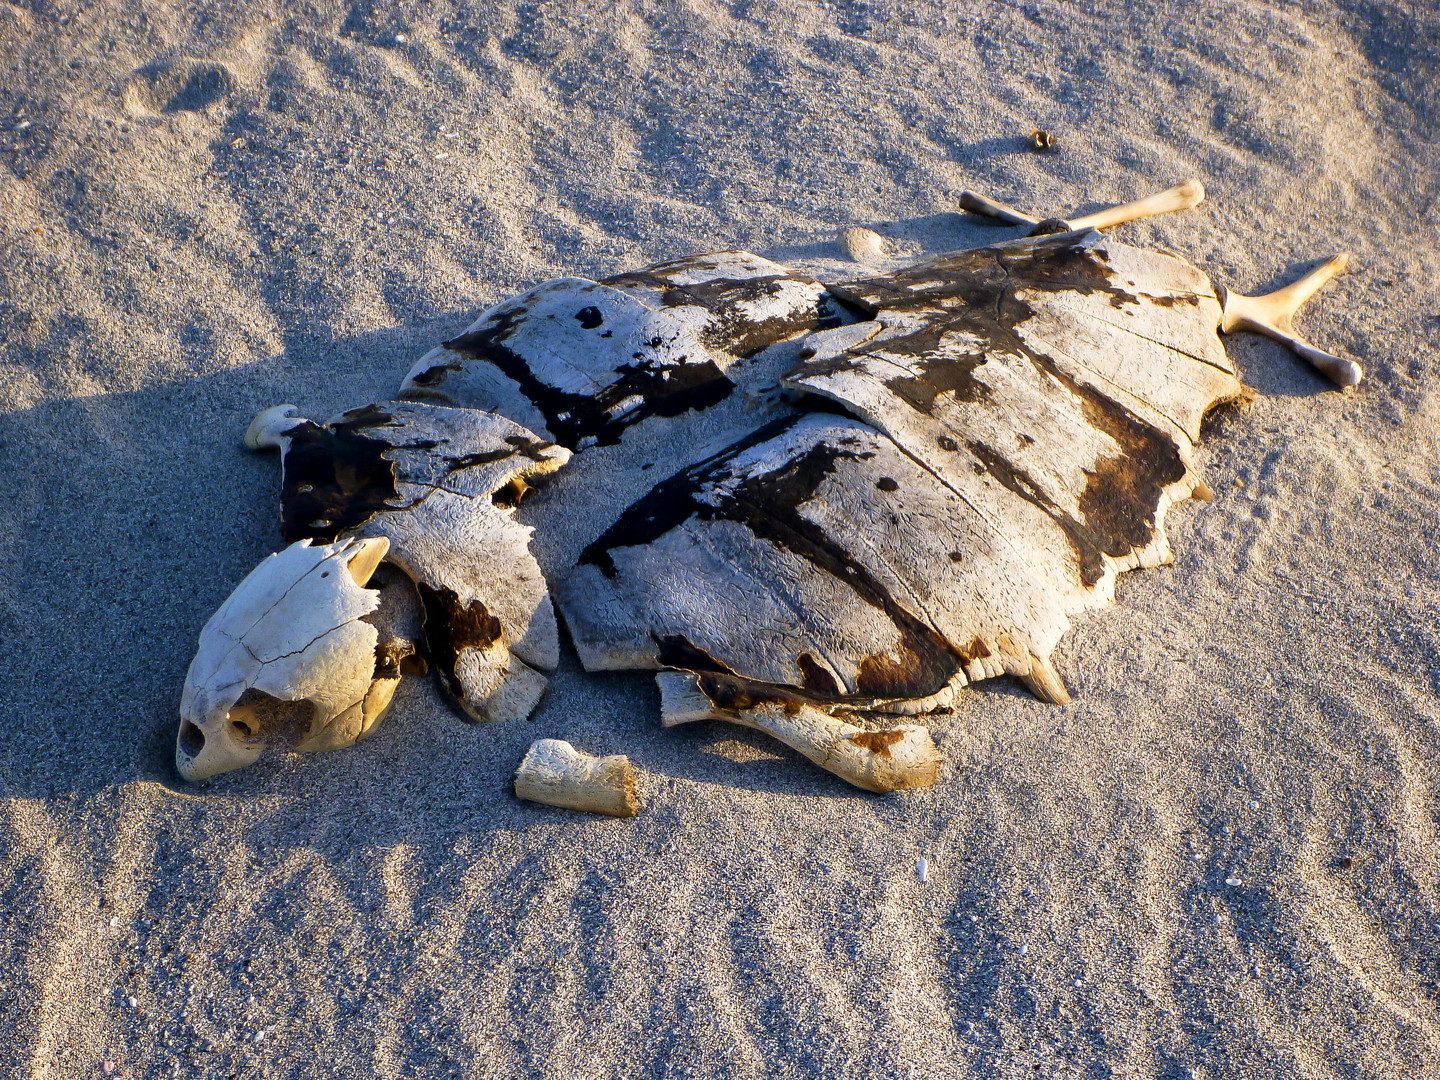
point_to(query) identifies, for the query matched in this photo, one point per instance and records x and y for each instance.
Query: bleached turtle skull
(294, 630)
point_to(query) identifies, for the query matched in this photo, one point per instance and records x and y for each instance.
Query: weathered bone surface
(294, 630)
(438, 485)
(1024, 417)
(580, 361)
(555, 773)
(869, 494)
(893, 758)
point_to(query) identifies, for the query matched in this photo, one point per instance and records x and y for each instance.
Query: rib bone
(557, 774)
(1272, 315)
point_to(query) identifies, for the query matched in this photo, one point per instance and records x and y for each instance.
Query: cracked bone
(556, 774)
(1272, 313)
(439, 484)
(294, 630)
(895, 759)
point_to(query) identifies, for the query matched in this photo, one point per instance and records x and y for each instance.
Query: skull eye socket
(192, 739)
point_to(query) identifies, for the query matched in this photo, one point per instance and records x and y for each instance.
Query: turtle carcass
(820, 509)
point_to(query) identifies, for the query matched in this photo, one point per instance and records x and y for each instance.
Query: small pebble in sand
(132, 1002)
(1024, 950)
(1232, 881)
(107, 1067)
(400, 39)
(922, 870)
(862, 245)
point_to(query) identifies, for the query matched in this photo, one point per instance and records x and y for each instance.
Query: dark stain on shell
(678, 651)
(877, 742)
(974, 293)
(768, 506)
(452, 627)
(665, 390)
(730, 326)
(815, 677)
(336, 478)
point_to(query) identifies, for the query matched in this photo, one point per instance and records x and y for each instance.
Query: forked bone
(555, 773)
(895, 759)
(1272, 315)
(1181, 197)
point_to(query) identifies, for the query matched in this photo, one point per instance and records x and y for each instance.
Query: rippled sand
(1219, 861)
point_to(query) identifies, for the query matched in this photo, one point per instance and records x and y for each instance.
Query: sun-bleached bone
(1180, 197)
(896, 758)
(582, 361)
(439, 485)
(1021, 419)
(294, 629)
(1271, 315)
(554, 773)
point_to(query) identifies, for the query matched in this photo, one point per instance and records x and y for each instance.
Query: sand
(1221, 860)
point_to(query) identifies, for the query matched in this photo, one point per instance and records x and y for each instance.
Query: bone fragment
(979, 204)
(1272, 315)
(557, 774)
(895, 759)
(269, 424)
(862, 245)
(1181, 197)
(1044, 682)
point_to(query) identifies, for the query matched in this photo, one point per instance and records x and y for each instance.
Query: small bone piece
(862, 245)
(895, 759)
(557, 774)
(1272, 315)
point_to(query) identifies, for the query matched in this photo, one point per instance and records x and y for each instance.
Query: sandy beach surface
(1221, 860)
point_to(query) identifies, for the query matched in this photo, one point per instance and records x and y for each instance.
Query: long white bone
(1272, 315)
(1181, 197)
(556, 774)
(891, 760)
